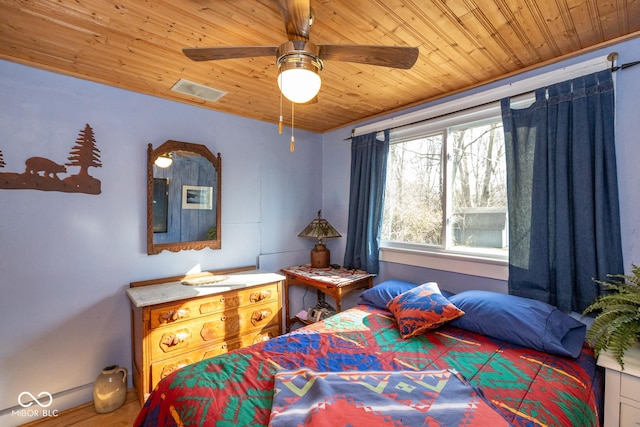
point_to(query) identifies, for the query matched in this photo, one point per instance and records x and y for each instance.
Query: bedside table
(335, 282)
(621, 388)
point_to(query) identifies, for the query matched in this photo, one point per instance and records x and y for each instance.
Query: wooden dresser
(174, 325)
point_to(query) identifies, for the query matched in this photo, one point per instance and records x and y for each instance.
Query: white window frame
(450, 260)
(443, 257)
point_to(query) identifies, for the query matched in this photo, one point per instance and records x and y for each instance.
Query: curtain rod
(611, 58)
(434, 117)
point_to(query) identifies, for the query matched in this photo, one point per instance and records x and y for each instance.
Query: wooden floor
(86, 416)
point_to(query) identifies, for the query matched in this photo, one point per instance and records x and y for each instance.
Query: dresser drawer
(630, 387)
(161, 369)
(629, 415)
(174, 313)
(207, 330)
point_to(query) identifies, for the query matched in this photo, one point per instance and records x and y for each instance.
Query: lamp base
(320, 256)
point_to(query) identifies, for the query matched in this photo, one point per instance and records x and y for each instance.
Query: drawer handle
(174, 339)
(260, 315)
(168, 369)
(259, 296)
(223, 318)
(224, 346)
(222, 300)
(173, 315)
(262, 338)
(171, 340)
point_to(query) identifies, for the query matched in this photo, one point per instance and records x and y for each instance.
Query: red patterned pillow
(422, 308)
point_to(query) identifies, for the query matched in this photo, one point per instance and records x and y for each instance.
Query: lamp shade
(319, 229)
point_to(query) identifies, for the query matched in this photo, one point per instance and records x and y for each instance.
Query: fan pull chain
(280, 121)
(293, 141)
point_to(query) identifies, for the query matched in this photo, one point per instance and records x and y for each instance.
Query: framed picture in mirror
(197, 197)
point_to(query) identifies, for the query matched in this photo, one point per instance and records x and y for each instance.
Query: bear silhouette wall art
(44, 174)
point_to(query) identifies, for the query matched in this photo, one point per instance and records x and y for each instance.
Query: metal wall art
(46, 175)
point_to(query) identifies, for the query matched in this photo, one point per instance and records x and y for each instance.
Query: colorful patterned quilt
(528, 387)
(380, 398)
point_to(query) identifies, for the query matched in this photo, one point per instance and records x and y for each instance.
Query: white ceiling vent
(196, 89)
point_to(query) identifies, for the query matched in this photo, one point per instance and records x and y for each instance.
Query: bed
(378, 364)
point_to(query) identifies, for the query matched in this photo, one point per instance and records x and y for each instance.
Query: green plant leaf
(617, 324)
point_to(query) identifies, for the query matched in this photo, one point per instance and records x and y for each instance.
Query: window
(446, 186)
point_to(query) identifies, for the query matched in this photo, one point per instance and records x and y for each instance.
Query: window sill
(458, 263)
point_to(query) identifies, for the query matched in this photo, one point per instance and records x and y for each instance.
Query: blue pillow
(522, 321)
(379, 295)
(382, 293)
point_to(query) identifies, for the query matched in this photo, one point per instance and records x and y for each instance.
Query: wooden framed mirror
(183, 198)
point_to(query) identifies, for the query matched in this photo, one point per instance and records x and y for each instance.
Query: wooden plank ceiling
(136, 45)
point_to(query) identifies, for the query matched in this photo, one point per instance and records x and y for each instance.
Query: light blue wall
(66, 259)
(337, 157)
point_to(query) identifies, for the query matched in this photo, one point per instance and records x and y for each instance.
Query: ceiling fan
(299, 60)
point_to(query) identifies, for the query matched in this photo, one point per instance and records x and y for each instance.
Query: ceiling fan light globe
(299, 85)
(163, 161)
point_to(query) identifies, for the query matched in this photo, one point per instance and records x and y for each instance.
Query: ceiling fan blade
(297, 18)
(386, 56)
(228, 52)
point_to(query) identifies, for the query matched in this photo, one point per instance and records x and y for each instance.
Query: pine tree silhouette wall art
(44, 174)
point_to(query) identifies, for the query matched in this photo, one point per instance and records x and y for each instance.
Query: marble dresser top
(144, 296)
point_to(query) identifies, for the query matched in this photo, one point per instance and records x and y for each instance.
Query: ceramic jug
(110, 389)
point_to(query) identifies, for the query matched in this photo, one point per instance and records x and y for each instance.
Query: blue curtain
(564, 222)
(366, 197)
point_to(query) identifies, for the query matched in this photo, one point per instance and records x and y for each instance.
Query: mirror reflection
(183, 198)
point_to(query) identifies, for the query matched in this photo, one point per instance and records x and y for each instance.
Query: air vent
(196, 89)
